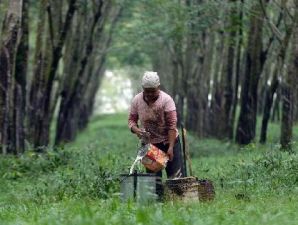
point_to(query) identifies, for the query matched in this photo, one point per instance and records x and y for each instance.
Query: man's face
(151, 94)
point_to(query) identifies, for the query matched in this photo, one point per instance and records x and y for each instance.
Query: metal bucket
(140, 187)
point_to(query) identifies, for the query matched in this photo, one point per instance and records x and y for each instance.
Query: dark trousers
(174, 168)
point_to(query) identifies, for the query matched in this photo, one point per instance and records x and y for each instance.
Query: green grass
(78, 183)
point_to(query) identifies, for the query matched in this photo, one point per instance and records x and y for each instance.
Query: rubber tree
(10, 125)
(272, 89)
(74, 110)
(254, 61)
(289, 86)
(49, 45)
(229, 76)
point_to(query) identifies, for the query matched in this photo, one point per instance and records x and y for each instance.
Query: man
(156, 111)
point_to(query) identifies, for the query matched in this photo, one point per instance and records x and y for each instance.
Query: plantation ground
(78, 183)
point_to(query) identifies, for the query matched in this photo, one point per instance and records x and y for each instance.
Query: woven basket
(206, 190)
(185, 188)
(189, 188)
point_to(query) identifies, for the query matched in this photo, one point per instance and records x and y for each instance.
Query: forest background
(231, 67)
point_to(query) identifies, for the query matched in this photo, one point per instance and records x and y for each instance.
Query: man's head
(150, 84)
(150, 80)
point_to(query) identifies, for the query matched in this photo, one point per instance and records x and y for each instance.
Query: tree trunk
(215, 110)
(276, 106)
(288, 88)
(274, 85)
(238, 59)
(37, 84)
(45, 74)
(228, 76)
(296, 105)
(87, 104)
(95, 75)
(67, 126)
(198, 89)
(269, 93)
(20, 82)
(8, 48)
(249, 95)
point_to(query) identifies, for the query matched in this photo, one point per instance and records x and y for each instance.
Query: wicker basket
(185, 188)
(206, 190)
(189, 188)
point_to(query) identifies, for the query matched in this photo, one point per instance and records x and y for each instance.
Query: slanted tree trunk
(67, 125)
(97, 70)
(8, 49)
(87, 103)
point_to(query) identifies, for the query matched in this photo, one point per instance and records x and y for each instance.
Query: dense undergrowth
(78, 183)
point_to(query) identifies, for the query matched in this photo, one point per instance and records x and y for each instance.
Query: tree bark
(288, 87)
(215, 118)
(228, 75)
(198, 88)
(42, 100)
(238, 71)
(8, 49)
(21, 82)
(249, 96)
(269, 93)
(67, 125)
(38, 81)
(274, 85)
(276, 107)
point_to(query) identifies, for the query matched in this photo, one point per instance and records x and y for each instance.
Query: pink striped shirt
(157, 119)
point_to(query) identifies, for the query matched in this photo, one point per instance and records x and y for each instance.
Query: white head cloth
(150, 80)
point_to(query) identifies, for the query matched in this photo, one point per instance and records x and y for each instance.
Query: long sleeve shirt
(157, 118)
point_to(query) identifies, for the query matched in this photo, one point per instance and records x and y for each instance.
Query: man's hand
(142, 134)
(170, 153)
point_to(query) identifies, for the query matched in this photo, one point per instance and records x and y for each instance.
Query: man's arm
(133, 122)
(171, 121)
(133, 117)
(172, 138)
(133, 125)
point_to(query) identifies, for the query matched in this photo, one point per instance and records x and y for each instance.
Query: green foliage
(148, 26)
(78, 183)
(3, 8)
(280, 169)
(32, 163)
(273, 171)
